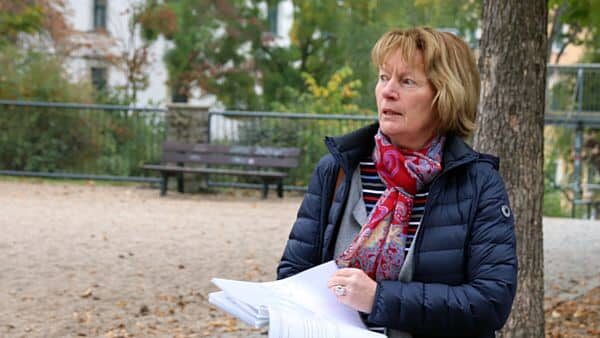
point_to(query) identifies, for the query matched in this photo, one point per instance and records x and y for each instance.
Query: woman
(419, 223)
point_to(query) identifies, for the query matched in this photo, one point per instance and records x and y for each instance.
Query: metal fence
(572, 94)
(304, 131)
(112, 142)
(573, 101)
(79, 141)
(109, 142)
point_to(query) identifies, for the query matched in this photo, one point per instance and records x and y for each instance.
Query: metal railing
(304, 131)
(111, 142)
(79, 141)
(573, 101)
(572, 95)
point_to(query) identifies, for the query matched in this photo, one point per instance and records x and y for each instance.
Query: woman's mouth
(389, 112)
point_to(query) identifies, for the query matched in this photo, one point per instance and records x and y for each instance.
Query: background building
(104, 28)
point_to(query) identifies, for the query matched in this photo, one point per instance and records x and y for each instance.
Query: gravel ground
(571, 257)
(118, 261)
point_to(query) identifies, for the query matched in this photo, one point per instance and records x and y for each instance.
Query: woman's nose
(390, 90)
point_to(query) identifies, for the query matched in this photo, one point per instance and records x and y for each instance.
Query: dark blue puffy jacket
(465, 264)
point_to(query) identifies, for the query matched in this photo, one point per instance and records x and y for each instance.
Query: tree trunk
(510, 125)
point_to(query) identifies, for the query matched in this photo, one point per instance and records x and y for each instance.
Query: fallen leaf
(86, 293)
(144, 310)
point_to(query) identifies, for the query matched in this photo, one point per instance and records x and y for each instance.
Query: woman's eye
(383, 77)
(409, 82)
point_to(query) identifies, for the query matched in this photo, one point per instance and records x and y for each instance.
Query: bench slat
(256, 160)
(230, 159)
(170, 146)
(174, 169)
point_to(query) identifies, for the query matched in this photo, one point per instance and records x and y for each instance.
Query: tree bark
(510, 125)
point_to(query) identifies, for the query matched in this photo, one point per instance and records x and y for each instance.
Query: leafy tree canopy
(574, 22)
(42, 19)
(225, 47)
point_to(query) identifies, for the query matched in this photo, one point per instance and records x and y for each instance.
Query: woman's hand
(357, 289)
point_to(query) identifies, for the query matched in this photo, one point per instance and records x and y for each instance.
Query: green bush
(34, 76)
(552, 204)
(333, 98)
(44, 140)
(128, 141)
(67, 140)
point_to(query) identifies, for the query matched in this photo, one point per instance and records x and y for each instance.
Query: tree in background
(573, 22)
(40, 139)
(37, 24)
(33, 75)
(212, 42)
(27, 29)
(34, 42)
(17, 18)
(334, 97)
(227, 48)
(132, 55)
(330, 35)
(510, 124)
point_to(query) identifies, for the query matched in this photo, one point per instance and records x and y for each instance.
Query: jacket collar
(457, 152)
(349, 149)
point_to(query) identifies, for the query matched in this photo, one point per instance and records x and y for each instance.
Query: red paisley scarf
(378, 249)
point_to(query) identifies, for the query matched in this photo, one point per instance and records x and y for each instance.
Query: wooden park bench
(270, 164)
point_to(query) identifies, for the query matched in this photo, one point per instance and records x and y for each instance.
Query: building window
(99, 14)
(99, 78)
(272, 18)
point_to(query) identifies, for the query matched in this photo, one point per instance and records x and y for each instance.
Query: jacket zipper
(328, 203)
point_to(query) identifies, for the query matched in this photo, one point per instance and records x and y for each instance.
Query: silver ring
(339, 290)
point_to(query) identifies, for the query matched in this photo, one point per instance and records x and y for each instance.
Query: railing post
(577, 165)
(579, 90)
(578, 143)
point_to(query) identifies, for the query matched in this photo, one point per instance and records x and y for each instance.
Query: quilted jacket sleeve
(483, 303)
(302, 248)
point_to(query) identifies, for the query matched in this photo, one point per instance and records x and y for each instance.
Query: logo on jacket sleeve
(505, 210)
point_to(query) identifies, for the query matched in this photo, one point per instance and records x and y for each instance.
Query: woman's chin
(391, 129)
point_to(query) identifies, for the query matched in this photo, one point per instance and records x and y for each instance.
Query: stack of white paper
(299, 306)
(257, 317)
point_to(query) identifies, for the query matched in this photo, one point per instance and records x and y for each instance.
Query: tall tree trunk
(510, 124)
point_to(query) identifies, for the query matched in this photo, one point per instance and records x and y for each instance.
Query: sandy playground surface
(93, 260)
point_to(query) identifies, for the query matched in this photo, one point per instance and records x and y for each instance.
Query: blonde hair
(450, 67)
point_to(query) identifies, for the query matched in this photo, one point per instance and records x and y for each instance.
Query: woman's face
(404, 102)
